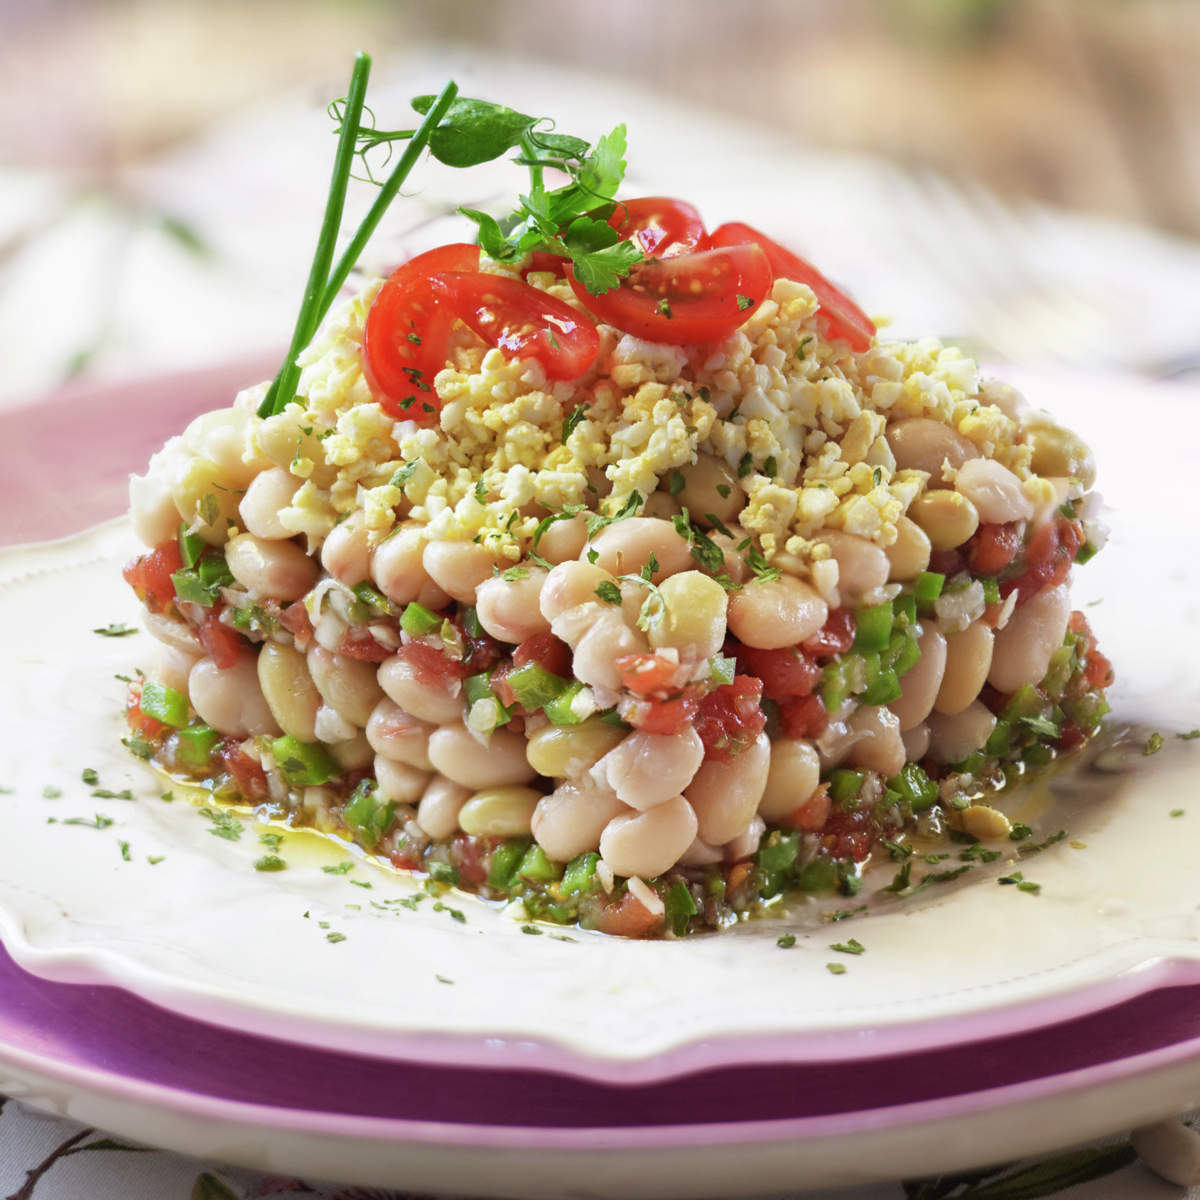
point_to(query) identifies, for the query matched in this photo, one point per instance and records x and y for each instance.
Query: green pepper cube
(914, 786)
(819, 876)
(506, 858)
(872, 628)
(369, 595)
(991, 589)
(835, 684)
(844, 785)
(195, 745)
(164, 704)
(366, 814)
(779, 851)
(999, 740)
(883, 686)
(536, 867)
(928, 588)
(478, 687)
(904, 609)
(419, 621)
(580, 874)
(534, 686)
(191, 546)
(907, 655)
(559, 711)
(681, 906)
(214, 572)
(191, 589)
(303, 764)
(470, 621)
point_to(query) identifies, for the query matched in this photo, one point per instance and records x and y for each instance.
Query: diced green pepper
(419, 621)
(680, 908)
(164, 704)
(844, 785)
(882, 684)
(190, 589)
(580, 874)
(470, 621)
(303, 764)
(835, 685)
(991, 590)
(559, 710)
(1086, 553)
(1087, 710)
(505, 859)
(904, 609)
(195, 745)
(372, 596)
(534, 686)
(904, 656)
(1026, 701)
(487, 714)
(214, 571)
(191, 546)
(999, 740)
(819, 876)
(1058, 674)
(535, 866)
(477, 687)
(778, 852)
(928, 588)
(872, 628)
(915, 786)
(366, 814)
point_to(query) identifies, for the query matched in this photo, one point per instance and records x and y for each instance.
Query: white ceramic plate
(205, 934)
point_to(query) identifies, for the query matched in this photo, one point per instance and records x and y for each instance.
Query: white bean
(648, 843)
(152, 507)
(289, 691)
(711, 489)
(994, 490)
(459, 755)
(399, 573)
(508, 608)
(499, 812)
(206, 498)
(331, 727)
(863, 567)
(171, 631)
(923, 444)
(1024, 646)
(353, 755)
(606, 640)
(398, 781)
(968, 660)
(399, 736)
(625, 547)
(344, 553)
(771, 613)
(268, 492)
(230, 700)
(563, 540)
(1170, 1149)
(440, 805)
(439, 701)
(348, 685)
(458, 568)
(569, 585)
(919, 686)
(916, 742)
(649, 768)
(793, 776)
(692, 619)
(908, 555)
(174, 666)
(745, 845)
(568, 751)
(951, 739)
(725, 795)
(571, 819)
(220, 436)
(270, 569)
(701, 854)
(882, 749)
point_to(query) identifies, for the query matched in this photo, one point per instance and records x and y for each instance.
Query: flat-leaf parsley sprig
(569, 221)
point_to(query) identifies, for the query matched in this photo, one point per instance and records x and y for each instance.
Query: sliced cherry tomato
(786, 672)
(659, 226)
(836, 636)
(406, 332)
(689, 298)
(222, 644)
(838, 315)
(646, 673)
(150, 575)
(548, 651)
(522, 320)
(731, 717)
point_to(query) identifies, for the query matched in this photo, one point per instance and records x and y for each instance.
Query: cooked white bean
(862, 566)
(230, 700)
(569, 585)
(692, 616)
(174, 666)
(508, 607)
(571, 819)
(399, 736)
(726, 795)
(289, 690)
(662, 506)
(1024, 646)
(745, 845)
(331, 727)
(916, 742)
(947, 518)
(220, 436)
(499, 812)
(734, 565)
(440, 701)
(441, 802)
(951, 739)
(1059, 452)
(908, 555)
(833, 744)
(607, 639)
(882, 749)
(649, 843)
(649, 768)
(919, 686)
(625, 547)
(399, 573)
(771, 613)
(994, 490)
(344, 553)
(563, 540)
(206, 498)
(270, 569)
(171, 631)
(269, 491)
(701, 854)
(353, 755)
(1005, 397)
(348, 685)
(968, 660)
(711, 489)
(922, 444)
(461, 756)
(793, 776)
(568, 751)
(1170, 1149)
(399, 781)
(458, 568)
(152, 507)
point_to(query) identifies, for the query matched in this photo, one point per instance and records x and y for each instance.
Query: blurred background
(1023, 175)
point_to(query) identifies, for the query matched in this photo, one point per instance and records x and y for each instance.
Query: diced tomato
(248, 775)
(659, 226)
(803, 716)
(1070, 737)
(848, 834)
(994, 546)
(522, 321)
(138, 721)
(812, 815)
(1048, 558)
(295, 620)
(659, 716)
(689, 298)
(836, 636)
(404, 859)
(358, 643)
(838, 315)
(1098, 669)
(221, 643)
(786, 672)
(730, 718)
(548, 651)
(150, 575)
(627, 917)
(407, 331)
(646, 673)
(948, 562)
(467, 855)
(432, 667)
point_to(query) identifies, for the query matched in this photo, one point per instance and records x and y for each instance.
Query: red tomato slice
(685, 299)
(659, 226)
(522, 320)
(838, 315)
(404, 340)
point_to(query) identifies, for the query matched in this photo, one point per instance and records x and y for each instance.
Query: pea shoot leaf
(474, 131)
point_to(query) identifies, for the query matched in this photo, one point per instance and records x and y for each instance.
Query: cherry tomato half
(659, 226)
(404, 340)
(838, 315)
(689, 298)
(521, 320)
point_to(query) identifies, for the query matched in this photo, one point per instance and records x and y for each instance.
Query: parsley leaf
(113, 630)
(608, 592)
